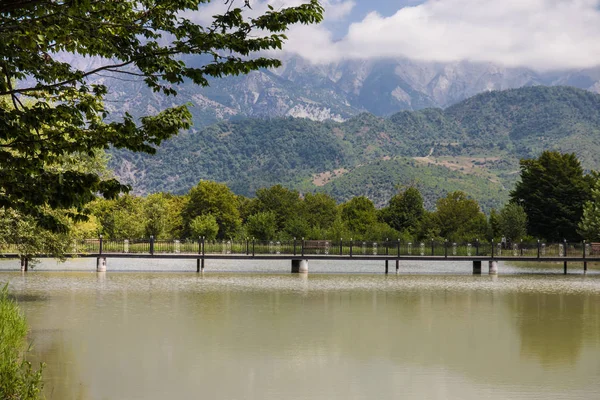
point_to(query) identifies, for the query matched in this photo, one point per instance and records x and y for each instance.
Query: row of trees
(212, 210)
(554, 200)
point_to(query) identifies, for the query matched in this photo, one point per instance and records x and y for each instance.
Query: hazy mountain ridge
(341, 90)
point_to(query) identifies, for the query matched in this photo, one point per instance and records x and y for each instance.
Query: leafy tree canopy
(552, 191)
(283, 202)
(589, 226)
(460, 218)
(512, 222)
(405, 210)
(55, 110)
(360, 214)
(217, 200)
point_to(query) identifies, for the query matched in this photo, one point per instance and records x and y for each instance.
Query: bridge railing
(356, 248)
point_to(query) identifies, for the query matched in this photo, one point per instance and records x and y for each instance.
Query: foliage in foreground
(52, 109)
(18, 381)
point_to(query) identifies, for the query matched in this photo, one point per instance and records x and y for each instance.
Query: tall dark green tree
(56, 109)
(553, 190)
(359, 214)
(283, 202)
(319, 210)
(405, 210)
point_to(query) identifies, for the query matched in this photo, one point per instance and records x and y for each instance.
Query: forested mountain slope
(478, 141)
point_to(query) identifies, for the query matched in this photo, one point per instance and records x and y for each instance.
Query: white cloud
(540, 34)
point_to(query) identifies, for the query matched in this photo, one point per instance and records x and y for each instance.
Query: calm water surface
(157, 335)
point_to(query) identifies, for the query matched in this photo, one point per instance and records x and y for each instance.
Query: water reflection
(553, 326)
(149, 336)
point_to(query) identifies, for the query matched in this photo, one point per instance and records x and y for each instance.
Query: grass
(18, 381)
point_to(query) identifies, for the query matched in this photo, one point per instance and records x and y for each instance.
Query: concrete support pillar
(24, 264)
(493, 267)
(299, 266)
(477, 267)
(386, 266)
(397, 265)
(200, 265)
(101, 264)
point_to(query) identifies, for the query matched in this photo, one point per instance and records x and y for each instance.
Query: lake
(254, 331)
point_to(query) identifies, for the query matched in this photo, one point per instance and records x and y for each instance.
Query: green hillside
(473, 146)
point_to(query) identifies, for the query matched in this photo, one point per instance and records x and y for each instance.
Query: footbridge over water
(301, 251)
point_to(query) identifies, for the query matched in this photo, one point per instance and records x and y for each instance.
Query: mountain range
(340, 90)
(473, 145)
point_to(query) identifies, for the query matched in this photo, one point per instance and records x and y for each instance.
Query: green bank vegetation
(18, 380)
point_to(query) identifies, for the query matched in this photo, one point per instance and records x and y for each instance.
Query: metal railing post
(386, 246)
(247, 247)
(253, 242)
(294, 246)
(398, 247)
(100, 245)
(584, 262)
(432, 244)
(203, 245)
(476, 247)
(492, 248)
(351, 247)
(446, 248)
(151, 245)
(521, 247)
(538, 249)
(302, 247)
(341, 246)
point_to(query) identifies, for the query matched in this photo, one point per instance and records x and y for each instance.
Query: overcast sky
(539, 34)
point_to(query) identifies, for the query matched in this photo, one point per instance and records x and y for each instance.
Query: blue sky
(362, 7)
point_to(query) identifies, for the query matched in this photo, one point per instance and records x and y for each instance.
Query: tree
(262, 225)
(405, 210)
(121, 218)
(359, 214)
(460, 218)
(204, 225)
(155, 213)
(162, 215)
(494, 225)
(26, 238)
(283, 202)
(589, 226)
(512, 222)
(552, 191)
(209, 197)
(57, 109)
(319, 210)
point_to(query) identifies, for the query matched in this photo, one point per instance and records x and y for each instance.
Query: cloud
(539, 34)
